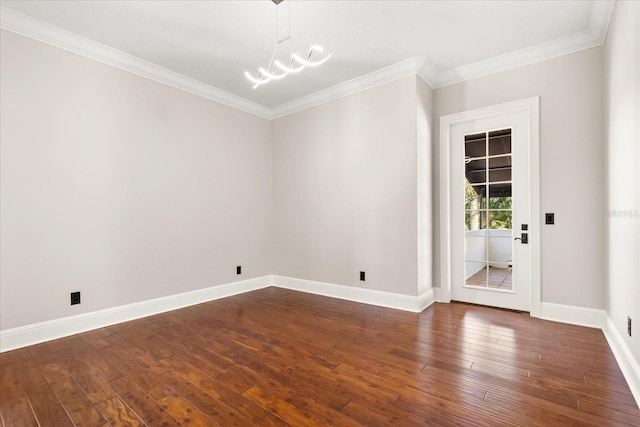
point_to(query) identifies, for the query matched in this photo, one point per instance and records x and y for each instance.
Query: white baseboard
(590, 317)
(23, 336)
(441, 295)
(36, 333)
(367, 296)
(628, 364)
(425, 299)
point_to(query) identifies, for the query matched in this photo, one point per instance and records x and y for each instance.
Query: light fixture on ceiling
(276, 70)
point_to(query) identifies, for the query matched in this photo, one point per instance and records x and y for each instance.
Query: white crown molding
(24, 25)
(428, 73)
(388, 74)
(599, 23)
(601, 13)
(29, 27)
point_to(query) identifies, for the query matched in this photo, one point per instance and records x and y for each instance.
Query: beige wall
(345, 183)
(622, 139)
(128, 190)
(571, 170)
(120, 187)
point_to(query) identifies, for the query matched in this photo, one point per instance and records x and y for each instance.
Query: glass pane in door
(488, 210)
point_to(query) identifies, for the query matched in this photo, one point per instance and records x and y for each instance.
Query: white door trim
(532, 107)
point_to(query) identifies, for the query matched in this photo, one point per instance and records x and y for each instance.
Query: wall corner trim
(441, 295)
(425, 299)
(628, 365)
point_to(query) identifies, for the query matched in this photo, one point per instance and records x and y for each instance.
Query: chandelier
(276, 70)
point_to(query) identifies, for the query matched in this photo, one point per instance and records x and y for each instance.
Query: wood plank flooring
(275, 358)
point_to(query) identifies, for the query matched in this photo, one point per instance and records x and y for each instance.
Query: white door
(490, 211)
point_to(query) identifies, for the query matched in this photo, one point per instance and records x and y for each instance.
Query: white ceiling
(215, 42)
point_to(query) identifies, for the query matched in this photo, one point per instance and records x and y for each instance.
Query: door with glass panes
(490, 208)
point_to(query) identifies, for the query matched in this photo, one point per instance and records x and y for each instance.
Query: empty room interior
(297, 213)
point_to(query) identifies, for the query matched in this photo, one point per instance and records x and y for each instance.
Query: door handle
(524, 238)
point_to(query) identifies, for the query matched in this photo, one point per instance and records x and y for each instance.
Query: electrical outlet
(75, 298)
(550, 218)
(629, 325)
(362, 276)
(239, 269)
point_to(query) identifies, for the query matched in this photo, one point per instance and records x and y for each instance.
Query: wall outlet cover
(75, 298)
(550, 218)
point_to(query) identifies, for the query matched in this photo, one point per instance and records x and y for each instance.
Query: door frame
(532, 107)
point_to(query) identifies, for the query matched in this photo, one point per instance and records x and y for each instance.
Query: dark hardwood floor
(278, 357)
